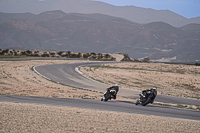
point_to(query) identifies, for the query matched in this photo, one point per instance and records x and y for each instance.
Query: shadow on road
(126, 102)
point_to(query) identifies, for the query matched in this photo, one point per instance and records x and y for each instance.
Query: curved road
(66, 74)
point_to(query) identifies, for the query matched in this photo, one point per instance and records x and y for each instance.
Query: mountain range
(57, 30)
(132, 13)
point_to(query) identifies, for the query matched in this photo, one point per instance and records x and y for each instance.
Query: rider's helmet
(154, 88)
(116, 84)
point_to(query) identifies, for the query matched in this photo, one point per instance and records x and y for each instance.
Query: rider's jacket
(151, 91)
(116, 88)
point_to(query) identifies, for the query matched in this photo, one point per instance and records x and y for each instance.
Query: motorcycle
(108, 95)
(146, 99)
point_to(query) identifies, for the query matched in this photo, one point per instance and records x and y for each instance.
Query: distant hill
(195, 20)
(132, 13)
(56, 30)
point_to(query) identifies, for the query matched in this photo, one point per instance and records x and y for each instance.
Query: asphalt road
(115, 106)
(66, 74)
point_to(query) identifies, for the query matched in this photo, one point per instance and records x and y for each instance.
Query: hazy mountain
(132, 13)
(195, 20)
(56, 30)
(184, 43)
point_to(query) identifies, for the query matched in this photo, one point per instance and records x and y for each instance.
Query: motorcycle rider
(152, 91)
(116, 88)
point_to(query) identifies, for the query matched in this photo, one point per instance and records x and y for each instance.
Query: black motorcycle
(108, 95)
(146, 98)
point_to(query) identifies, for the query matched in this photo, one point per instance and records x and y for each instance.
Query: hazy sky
(186, 8)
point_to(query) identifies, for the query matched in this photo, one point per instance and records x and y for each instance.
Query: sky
(186, 8)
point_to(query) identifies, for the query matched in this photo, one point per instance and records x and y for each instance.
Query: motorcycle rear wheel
(146, 102)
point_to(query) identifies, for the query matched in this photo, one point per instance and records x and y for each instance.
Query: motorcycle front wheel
(137, 102)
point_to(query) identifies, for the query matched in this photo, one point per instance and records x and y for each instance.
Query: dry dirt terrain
(24, 118)
(18, 78)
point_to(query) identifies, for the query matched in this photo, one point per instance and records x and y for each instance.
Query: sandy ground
(23, 118)
(18, 78)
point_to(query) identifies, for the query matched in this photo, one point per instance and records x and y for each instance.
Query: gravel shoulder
(18, 78)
